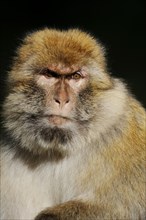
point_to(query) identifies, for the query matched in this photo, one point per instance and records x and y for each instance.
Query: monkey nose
(61, 100)
(61, 96)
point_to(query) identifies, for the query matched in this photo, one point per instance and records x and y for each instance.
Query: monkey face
(55, 84)
(61, 89)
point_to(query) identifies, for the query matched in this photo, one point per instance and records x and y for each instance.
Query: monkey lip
(57, 119)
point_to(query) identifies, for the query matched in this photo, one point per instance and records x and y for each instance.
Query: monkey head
(59, 89)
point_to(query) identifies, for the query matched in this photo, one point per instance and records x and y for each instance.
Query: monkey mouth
(57, 120)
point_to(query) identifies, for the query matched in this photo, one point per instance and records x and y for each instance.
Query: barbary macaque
(73, 137)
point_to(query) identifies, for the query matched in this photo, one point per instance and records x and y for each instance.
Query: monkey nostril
(56, 100)
(61, 102)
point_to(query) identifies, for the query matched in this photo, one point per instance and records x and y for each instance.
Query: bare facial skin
(61, 89)
(73, 137)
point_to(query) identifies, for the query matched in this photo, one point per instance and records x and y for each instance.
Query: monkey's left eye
(76, 76)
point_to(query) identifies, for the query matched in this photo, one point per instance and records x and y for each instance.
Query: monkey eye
(77, 75)
(49, 73)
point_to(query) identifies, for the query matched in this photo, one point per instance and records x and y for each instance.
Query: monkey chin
(58, 130)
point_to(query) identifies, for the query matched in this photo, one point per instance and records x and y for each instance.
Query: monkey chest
(25, 192)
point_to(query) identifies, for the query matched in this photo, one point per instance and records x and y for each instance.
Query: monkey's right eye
(48, 73)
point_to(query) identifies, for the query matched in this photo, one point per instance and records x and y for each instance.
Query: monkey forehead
(72, 39)
(69, 47)
(63, 69)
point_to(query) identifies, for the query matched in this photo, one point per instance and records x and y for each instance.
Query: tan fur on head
(68, 47)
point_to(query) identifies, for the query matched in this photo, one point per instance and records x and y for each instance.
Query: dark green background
(120, 25)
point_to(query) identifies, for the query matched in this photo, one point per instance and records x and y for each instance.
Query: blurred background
(119, 25)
